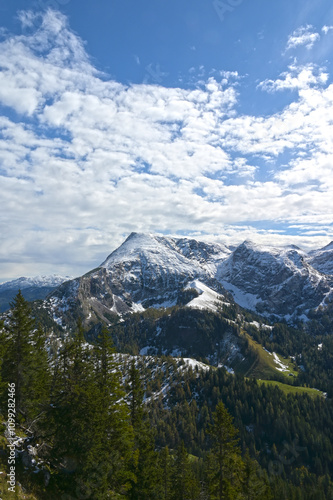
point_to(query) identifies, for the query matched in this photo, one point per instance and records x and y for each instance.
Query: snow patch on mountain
(280, 366)
(243, 299)
(208, 298)
(194, 364)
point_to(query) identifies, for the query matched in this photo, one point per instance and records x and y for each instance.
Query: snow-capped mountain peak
(156, 271)
(23, 282)
(322, 259)
(36, 287)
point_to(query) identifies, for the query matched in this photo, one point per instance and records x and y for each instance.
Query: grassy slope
(291, 389)
(266, 367)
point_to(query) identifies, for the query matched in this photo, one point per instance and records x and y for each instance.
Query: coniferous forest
(94, 420)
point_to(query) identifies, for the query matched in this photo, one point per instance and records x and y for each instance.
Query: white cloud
(314, 170)
(325, 29)
(90, 159)
(302, 36)
(296, 78)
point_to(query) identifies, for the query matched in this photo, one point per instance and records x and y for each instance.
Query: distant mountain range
(34, 288)
(154, 271)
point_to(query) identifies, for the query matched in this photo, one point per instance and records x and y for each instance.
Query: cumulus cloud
(305, 35)
(296, 78)
(89, 159)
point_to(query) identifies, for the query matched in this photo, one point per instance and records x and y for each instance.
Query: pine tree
(184, 484)
(114, 432)
(39, 377)
(254, 483)
(91, 432)
(224, 463)
(25, 360)
(165, 471)
(144, 457)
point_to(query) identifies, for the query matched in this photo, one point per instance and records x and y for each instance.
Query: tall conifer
(25, 361)
(184, 484)
(113, 430)
(225, 466)
(18, 349)
(144, 457)
(92, 439)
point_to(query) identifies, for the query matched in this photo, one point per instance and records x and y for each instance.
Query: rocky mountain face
(322, 259)
(153, 271)
(34, 288)
(145, 271)
(279, 281)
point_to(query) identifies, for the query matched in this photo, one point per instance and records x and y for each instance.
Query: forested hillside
(93, 423)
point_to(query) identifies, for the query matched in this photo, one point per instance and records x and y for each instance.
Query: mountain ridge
(32, 288)
(154, 271)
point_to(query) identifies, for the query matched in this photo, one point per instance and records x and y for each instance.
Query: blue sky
(211, 119)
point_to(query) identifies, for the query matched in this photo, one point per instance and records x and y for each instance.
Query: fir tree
(144, 457)
(254, 481)
(25, 353)
(165, 471)
(225, 467)
(184, 484)
(114, 433)
(39, 377)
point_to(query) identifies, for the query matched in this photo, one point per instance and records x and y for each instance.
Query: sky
(210, 119)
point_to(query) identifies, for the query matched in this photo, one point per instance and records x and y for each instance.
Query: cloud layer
(84, 159)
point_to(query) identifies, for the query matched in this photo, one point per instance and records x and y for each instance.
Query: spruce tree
(71, 414)
(114, 433)
(254, 481)
(224, 463)
(184, 484)
(18, 359)
(25, 360)
(92, 438)
(144, 457)
(39, 378)
(69, 399)
(165, 474)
